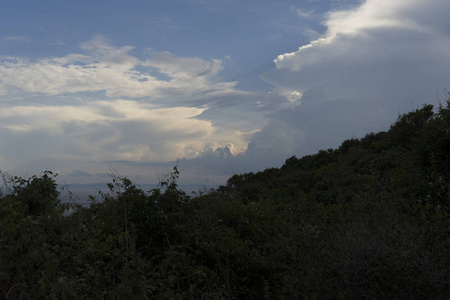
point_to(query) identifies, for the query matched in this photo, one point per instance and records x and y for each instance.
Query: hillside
(367, 220)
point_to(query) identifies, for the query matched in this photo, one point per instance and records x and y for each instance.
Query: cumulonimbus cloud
(372, 45)
(374, 61)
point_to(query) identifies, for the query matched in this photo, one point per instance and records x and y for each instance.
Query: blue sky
(252, 33)
(221, 86)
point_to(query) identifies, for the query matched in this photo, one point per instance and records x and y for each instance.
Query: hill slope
(367, 220)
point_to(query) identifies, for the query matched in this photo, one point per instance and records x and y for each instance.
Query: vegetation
(367, 220)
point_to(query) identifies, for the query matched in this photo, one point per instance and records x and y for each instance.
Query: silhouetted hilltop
(367, 220)
(411, 160)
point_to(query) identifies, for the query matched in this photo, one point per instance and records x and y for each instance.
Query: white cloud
(376, 29)
(374, 61)
(109, 130)
(113, 71)
(84, 137)
(158, 109)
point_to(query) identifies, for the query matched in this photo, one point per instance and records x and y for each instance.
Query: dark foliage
(369, 220)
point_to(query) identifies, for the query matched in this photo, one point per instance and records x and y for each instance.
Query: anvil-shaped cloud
(376, 60)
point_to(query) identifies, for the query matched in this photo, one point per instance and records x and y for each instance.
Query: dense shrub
(367, 220)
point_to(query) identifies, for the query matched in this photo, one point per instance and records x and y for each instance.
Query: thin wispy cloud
(18, 39)
(302, 13)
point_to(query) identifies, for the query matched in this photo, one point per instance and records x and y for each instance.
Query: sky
(219, 87)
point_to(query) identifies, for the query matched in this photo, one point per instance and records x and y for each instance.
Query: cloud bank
(106, 104)
(113, 104)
